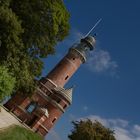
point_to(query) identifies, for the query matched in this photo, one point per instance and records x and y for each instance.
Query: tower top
(82, 48)
(90, 41)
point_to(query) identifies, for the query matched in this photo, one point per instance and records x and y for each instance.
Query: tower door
(32, 121)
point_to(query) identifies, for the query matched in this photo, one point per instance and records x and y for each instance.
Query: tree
(88, 130)
(45, 22)
(7, 82)
(29, 31)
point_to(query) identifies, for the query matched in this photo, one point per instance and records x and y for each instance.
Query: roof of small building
(66, 93)
(45, 110)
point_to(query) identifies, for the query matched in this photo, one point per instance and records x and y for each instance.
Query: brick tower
(50, 99)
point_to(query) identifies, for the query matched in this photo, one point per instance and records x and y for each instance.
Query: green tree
(88, 130)
(29, 31)
(7, 82)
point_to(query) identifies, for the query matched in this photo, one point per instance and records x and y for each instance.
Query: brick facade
(49, 101)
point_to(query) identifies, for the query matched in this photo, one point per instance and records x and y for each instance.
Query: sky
(108, 84)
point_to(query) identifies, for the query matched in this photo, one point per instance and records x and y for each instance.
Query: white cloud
(100, 61)
(136, 130)
(122, 134)
(123, 129)
(85, 108)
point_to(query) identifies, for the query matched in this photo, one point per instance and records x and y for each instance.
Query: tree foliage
(7, 82)
(88, 130)
(29, 31)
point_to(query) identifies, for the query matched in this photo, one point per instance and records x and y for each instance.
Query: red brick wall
(67, 67)
(53, 113)
(17, 99)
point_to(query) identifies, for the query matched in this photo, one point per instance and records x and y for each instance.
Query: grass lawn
(18, 133)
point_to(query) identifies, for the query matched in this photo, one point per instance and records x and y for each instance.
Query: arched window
(31, 107)
(58, 100)
(49, 94)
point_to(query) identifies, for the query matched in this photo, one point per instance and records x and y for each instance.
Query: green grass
(18, 133)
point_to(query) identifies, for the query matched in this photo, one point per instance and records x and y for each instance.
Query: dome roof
(45, 110)
(66, 93)
(90, 40)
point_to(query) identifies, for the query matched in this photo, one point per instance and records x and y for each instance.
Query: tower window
(49, 94)
(58, 100)
(43, 89)
(44, 81)
(54, 120)
(31, 107)
(66, 77)
(64, 106)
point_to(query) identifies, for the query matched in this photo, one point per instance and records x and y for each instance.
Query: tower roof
(44, 110)
(66, 93)
(90, 40)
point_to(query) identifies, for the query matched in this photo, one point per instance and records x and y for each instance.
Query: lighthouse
(51, 99)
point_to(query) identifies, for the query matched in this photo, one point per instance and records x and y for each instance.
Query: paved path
(6, 119)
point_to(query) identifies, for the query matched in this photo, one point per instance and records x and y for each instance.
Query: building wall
(65, 69)
(46, 97)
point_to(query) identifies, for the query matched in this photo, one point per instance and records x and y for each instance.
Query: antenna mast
(93, 27)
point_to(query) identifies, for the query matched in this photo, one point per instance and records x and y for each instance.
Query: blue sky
(108, 85)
